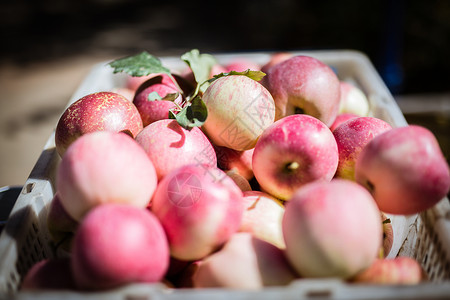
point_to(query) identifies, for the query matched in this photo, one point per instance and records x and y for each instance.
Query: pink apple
(169, 146)
(49, 274)
(134, 82)
(245, 262)
(104, 167)
(331, 229)
(60, 224)
(241, 64)
(341, 118)
(396, 271)
(295, 150)
(239, 110)
(152, 110)
(353, 100)
(262, 217)
(119, 244)
(275, 58)
(126, 92)
(404, 169)
(239, 161)
(103, 111)
(303, 83)
(351, 137)
(200, 207)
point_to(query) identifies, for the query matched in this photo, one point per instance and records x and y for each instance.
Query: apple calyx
(291, 167)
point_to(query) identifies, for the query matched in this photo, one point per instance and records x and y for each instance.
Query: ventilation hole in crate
(28, 188)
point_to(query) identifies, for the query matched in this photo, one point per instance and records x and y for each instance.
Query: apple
(404, 169)
(353, 100)
(388, 235)
(303, 83)
(241, 64)
(351, 137)
(401, 270)
(245, 262)
(169, 146)
(331, 229)
(200, 207)
(275, 58)
(263, 214)
(49, 274)
(134, 82)
(341, 118)
(60, 224)
(104, 167)
(126, 92)
(118, 244)
(293, 151)
(240, 181)
(152, 110)
(239, 161)
(102, 111)
(239, 110)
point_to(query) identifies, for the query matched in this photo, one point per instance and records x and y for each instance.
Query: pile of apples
(286, 178)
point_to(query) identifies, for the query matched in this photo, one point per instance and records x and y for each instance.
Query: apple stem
(292, 166)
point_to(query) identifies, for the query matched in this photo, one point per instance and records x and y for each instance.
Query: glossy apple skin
(241, 64)
(169, 146)
(102, 111)
(404, 169)
(200, 207)
(330, 234)
(275, 58)
(50, 274)
(306, 83)
(353, 100)
(245, 262)
(341, 118)
(262, 217)
(118, 244)
(238, 161)
(239, 110)
(351, 137)
(401, 270)
(295, 150)
(104, 167)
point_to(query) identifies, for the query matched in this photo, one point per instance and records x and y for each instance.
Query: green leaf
(139, 65)
(153, 96)
(255, 75)
(200, 64)
(193, 115)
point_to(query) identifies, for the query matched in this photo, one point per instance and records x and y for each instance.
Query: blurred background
(49, 46)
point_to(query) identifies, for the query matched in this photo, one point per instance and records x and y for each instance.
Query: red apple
(262, 217)
(395, 271)
(239, 110)
(404, 169)
(304, 83)
(240, 181)
(245, 262)
(295, 150)
(341, 118)
(239, 161)
(50, 274)
(353, 100)
(103, 111)
(104, 167)
(169, 146)
(119, 244)
(200, 207)
(351, 137)
(152, 110)
(331, 229)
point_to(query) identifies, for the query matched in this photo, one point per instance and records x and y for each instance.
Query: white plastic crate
(426, 237)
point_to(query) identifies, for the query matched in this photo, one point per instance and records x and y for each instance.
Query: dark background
(408, 41)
